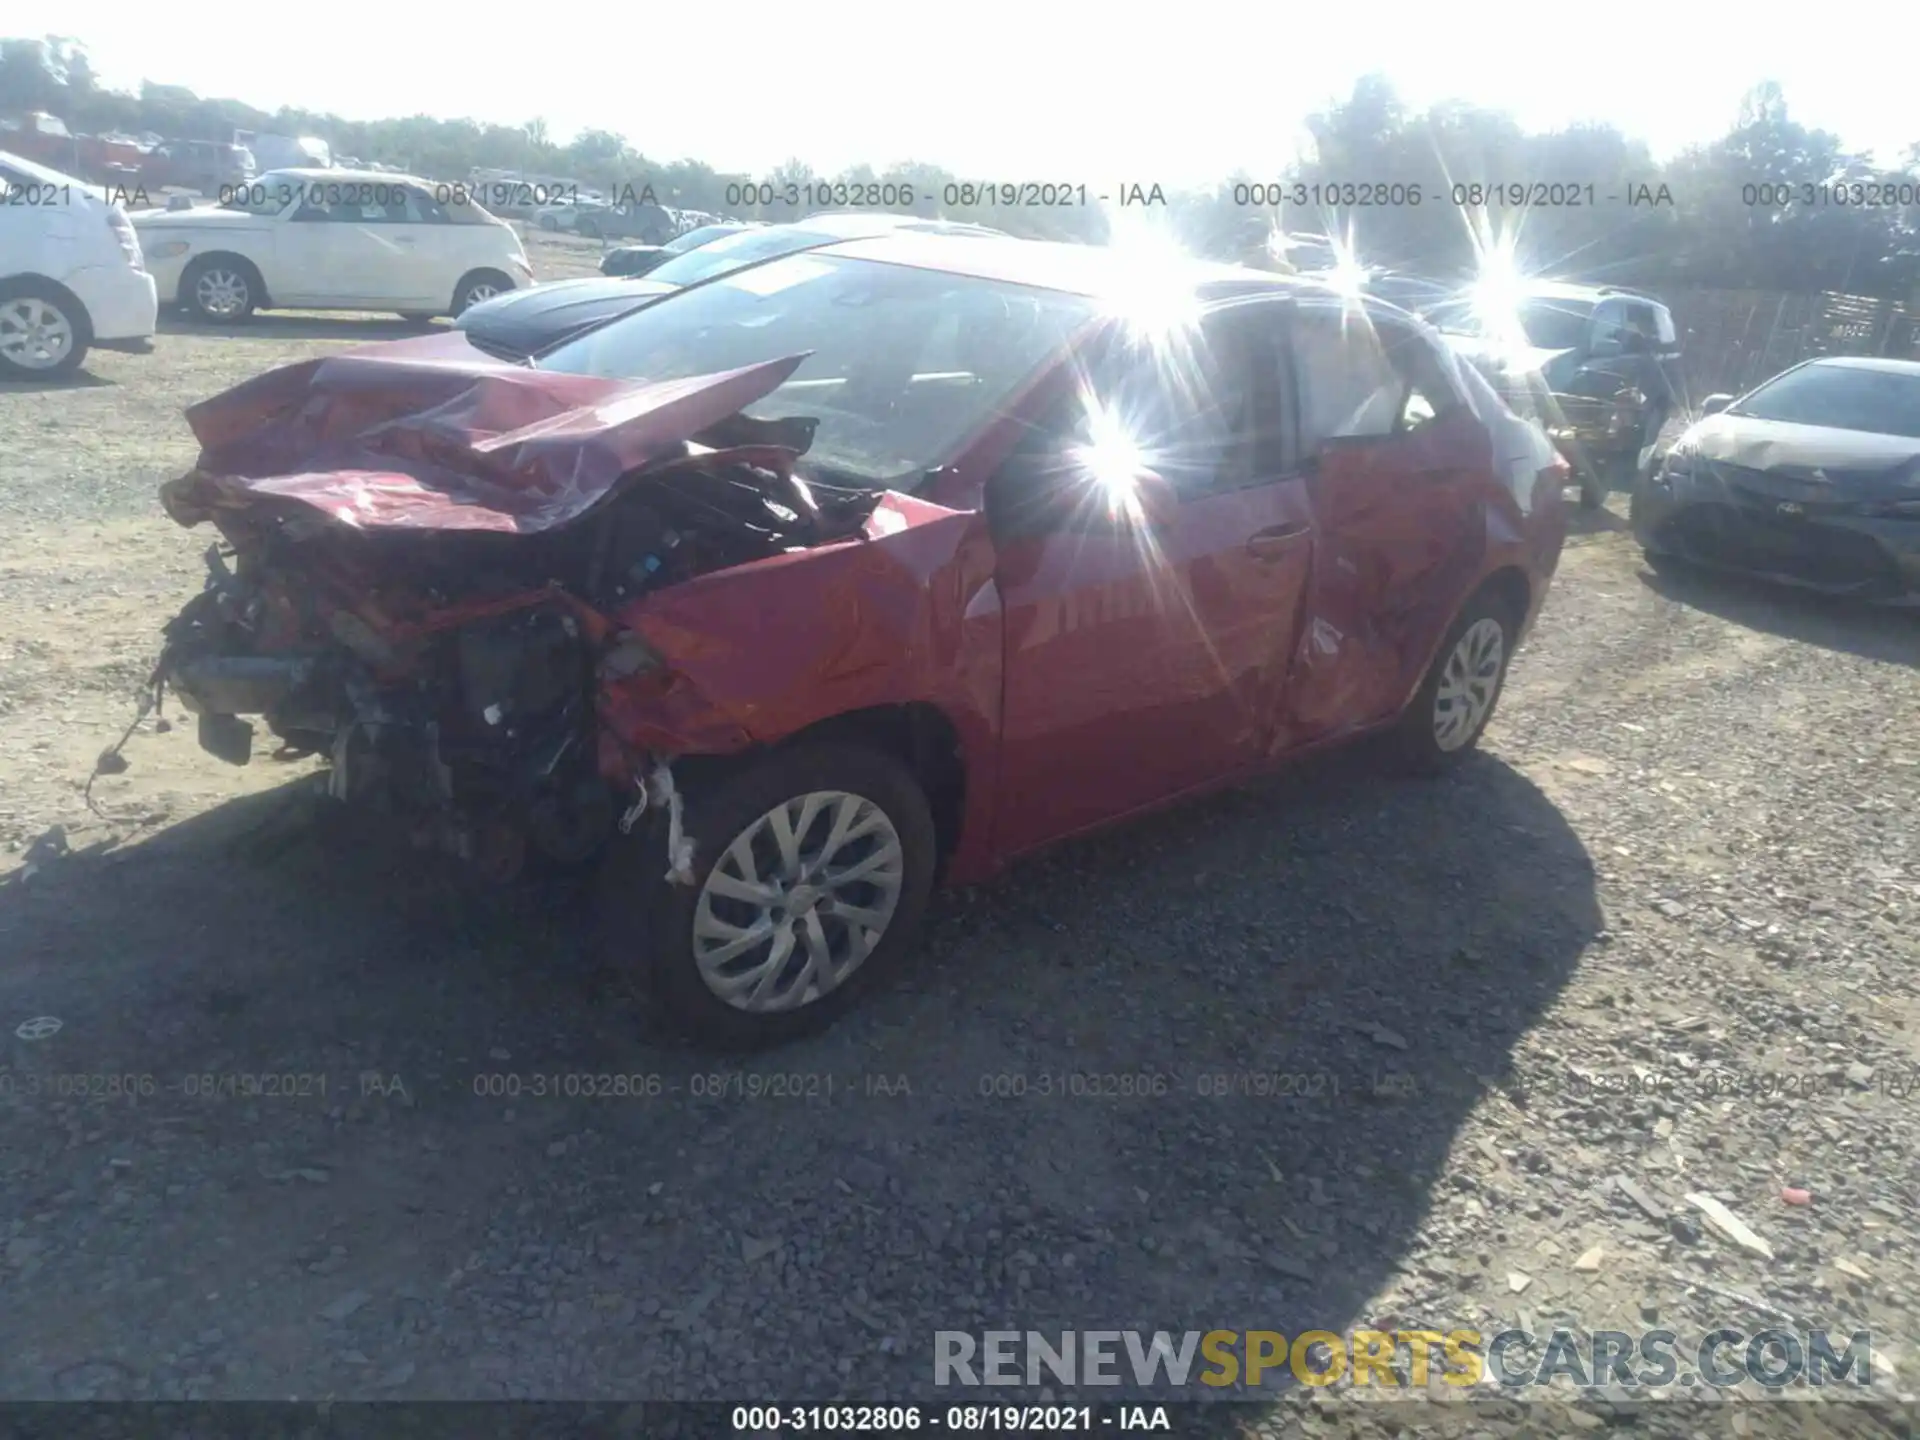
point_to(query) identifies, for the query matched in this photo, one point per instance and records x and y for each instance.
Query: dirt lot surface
(1688, 852)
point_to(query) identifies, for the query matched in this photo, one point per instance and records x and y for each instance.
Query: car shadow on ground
(1852, 626)
(79, 380)
(1202, 1072)
(276, 325)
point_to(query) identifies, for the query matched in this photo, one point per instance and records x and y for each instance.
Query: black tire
(42, 296)
(1415, 741)
(589, 228)
(646, 921)
(463, 293)
(548, 223)
(235, 271)
(1593, 490)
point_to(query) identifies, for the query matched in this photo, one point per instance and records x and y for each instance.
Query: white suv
(332, 240)
(71, 276)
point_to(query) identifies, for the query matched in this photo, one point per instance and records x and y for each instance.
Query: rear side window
(1361, 377)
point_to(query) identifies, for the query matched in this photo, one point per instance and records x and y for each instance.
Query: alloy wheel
(34, 335)
(798, 901)
(1469, 683)
(221, 292)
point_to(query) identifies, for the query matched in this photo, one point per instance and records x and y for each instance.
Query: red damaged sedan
(818, 584)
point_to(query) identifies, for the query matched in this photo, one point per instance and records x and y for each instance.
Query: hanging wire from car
(111, 761)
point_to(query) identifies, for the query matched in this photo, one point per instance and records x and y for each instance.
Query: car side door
(1397, 469)
(1142, 659)
(325, 252)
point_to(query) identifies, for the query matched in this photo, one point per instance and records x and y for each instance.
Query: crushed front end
(445, 639)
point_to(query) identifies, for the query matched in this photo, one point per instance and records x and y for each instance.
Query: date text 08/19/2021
(956, 1419)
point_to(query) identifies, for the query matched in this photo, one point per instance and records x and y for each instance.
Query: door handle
(1275, 541)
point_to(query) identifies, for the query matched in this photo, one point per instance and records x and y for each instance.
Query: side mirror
(1714, 404)
(1634, 343)
(179, 202)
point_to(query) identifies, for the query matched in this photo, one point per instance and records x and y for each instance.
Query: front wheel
(808, 878)
(220, 290)
(1457, 699)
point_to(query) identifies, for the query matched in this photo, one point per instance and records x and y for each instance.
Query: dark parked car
(631, 260)
(1813, 479)
(206, 167)
(526, 322)
(844, 575)
(1611, 359)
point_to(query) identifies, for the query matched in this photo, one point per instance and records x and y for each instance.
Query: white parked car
(565, 215)
(332, 240)
(71, 274)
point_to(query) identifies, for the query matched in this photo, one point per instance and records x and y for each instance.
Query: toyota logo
(1791, 508)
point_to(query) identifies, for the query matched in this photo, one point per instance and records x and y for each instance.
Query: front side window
(902, 364)
(1200, 407)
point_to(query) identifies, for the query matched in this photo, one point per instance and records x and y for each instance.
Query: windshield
(1555, 324)
(902, 364)
(1547, 324)
(730, 252)
(1839, 397)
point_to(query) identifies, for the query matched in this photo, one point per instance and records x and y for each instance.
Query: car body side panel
(759, 652)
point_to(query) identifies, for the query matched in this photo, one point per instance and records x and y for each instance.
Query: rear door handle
(1275, 541)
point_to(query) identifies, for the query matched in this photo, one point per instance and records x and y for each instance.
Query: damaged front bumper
(1688, 509)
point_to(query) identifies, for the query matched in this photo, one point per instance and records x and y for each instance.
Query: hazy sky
(1012, 89)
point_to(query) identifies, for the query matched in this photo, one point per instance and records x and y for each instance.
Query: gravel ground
(1687, 851)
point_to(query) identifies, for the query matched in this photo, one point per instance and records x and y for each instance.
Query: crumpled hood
(1856, 459)
(380, 441)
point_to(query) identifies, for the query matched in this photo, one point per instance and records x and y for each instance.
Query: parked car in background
(207, 167)
(1812, 478)
(1610, 357)
(566, 215)
(634, 260)
(286, 152)
(515, 326)
(331, 240)
(42, 138)
(629, 220)
(72, 277)
(780, 698)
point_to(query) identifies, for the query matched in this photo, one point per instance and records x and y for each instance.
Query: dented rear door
(1396, 480)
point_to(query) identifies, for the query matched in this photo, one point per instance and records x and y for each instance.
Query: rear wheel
(808, 878)
(44, 333)
(1457, 699)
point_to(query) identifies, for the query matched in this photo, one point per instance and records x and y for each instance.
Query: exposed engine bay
(449, 676)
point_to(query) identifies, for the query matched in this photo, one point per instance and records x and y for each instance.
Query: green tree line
(1771, 204)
